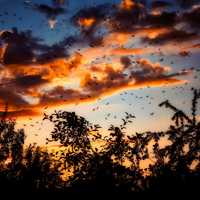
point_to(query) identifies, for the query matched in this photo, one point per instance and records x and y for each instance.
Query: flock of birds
(51, 13)
(129, 98)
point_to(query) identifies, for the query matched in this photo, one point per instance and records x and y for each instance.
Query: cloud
(157, 7)
(128, 51)
(90, 17)
(29, 81)
(24, 48)
(192, 17)
(126, 61)
(160, 4)
(196, 45)
(19, 113)
(60, 95)
(113, 82)
(127, 16)
(89, 21)
(127, 4)
(171, 36)
(20, 47)
(163, 19)
(187, 3)
(134, 16)
(86, 22)
(12, 98)
(107, 54)
(94, 83)
(59, 2)
(141, 74)
(49, 11)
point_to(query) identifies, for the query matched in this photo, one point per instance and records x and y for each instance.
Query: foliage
(115, 167)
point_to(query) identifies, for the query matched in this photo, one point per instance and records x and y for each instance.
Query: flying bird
(52, 23)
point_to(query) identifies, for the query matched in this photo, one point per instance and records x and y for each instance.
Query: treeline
(90, 162)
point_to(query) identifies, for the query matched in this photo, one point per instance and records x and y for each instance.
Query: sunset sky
(99, 58)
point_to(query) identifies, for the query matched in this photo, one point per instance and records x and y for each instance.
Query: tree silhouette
(102, 164)
(25, 169)
(183, 151)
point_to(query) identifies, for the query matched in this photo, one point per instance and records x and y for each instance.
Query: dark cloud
(60, 95)
(30, 64)
(19, 113)
(171, 36)
(59, 2)
(89, 21)
(113, 80)
(53, 52)
(126, 61)
(142, 73)
(24, 48)
(126, 20)
(49, 11)
(192, 17)
(122, 18)
(163, 19)
(21, 47)
(131, 18)
(160, 4)
(12, 98)
(145, 71)
(187, 3)
(184, 53)
(29, 81)
(98, 13)
(196, 45)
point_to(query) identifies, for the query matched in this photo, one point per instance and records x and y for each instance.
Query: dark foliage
(99, 164)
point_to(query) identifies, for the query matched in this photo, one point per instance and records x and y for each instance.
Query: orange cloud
(127, 4)
(49, 84)
(20, 113)
(86, 22)
(2, 52)
(128, 51)
(31, 81)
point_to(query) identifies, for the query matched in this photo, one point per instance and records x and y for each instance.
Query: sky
(98, 58)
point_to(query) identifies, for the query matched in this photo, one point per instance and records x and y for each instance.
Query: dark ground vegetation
(114, 167)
